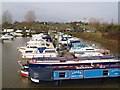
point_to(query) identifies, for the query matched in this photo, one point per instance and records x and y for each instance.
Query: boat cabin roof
(70, 59)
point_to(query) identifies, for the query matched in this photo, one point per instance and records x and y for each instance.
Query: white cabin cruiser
(18, 33)
(66, 39)
(7, 37)
(41, 52)
(79, 48)
(43, 36)
(34, 45)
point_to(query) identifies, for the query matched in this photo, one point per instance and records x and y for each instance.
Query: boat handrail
(43, 58)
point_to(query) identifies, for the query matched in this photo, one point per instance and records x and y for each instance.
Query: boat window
(105, 72)
(80, 52)
(79, 46)
(50, 51)
(99, 65)
(114, 64)
(63, 39)
(41, 49)
(61, 74)
(47, 44)
(43, 44)
(87, 65)
(28, 51)
(89, 49)
(72, 45)
(33, 47)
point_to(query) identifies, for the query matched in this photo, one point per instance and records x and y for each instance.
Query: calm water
(12, 79)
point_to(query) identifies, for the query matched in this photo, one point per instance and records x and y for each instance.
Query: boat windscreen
(50, 51)
(41, 49)
(79, 44)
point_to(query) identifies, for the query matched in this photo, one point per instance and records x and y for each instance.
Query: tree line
(31, 23)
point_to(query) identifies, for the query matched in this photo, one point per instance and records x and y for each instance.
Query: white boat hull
(34, 80)
(38, 55)
(89, 54)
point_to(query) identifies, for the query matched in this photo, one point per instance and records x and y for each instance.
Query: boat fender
(75, 60)
(33, 61)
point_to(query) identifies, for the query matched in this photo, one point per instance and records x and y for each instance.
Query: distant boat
(6, 37)
(66, 39)
(18, 33)
(42, 36)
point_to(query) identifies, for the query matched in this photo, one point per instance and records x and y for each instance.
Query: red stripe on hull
(24, 75)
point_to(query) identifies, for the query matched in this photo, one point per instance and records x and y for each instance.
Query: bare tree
(94, 23)
(30, 16)
(6, 17)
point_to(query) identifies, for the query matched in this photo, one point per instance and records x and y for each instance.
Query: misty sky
(64, 11)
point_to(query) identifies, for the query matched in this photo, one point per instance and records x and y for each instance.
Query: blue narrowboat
(63, 68)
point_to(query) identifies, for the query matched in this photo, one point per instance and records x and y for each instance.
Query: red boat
(24, 71)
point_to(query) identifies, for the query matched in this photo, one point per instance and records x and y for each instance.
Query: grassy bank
(108, 43)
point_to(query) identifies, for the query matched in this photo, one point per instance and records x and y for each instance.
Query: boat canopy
(78, 44)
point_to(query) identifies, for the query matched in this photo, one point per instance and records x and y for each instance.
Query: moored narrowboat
(62, 68)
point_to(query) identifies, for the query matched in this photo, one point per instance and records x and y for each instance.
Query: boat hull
(50, 74)
(24, 73)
